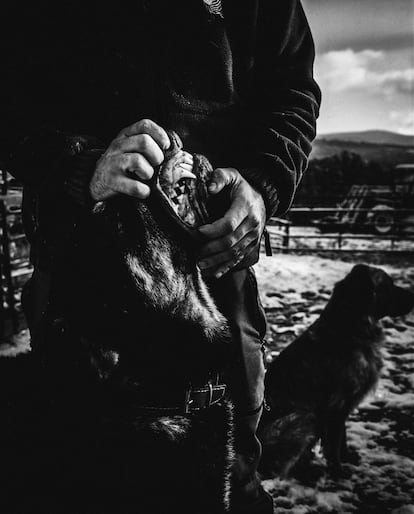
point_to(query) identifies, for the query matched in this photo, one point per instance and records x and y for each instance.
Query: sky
(364, 63)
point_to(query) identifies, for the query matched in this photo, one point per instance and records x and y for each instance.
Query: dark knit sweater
(237, 86)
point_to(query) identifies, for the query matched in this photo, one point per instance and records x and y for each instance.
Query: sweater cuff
(269, 193)
(79, 171)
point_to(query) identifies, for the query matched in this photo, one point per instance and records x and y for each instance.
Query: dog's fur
(134, 317)
(314, 384)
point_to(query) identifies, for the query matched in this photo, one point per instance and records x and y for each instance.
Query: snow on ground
(294, 290)
(16, 344)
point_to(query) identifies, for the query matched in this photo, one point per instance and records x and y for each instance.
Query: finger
(222, 177)
(141, 143)
(131, 187)
(226, 242)
(137, 164)
(228, 266)
(185, 166)
(149, 127)
(231, 256)
(228, 223)
(188, 158)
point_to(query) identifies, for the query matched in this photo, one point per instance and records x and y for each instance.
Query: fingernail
(212, 186)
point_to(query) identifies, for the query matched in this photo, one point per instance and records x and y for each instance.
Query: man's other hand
(129, 161)
(235, 238)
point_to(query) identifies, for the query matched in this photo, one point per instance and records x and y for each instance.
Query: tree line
(327, 180)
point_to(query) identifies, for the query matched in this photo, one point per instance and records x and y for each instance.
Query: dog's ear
(361, 288)
(356, 291)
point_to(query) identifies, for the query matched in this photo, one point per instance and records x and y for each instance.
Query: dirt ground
(294, 289)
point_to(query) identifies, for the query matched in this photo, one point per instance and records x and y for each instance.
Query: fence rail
(288, 236)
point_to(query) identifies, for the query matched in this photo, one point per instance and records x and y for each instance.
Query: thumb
(222, 177)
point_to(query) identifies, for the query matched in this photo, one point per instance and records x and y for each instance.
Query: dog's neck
(349, 322)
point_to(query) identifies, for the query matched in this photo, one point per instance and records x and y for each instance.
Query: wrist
(81, 168)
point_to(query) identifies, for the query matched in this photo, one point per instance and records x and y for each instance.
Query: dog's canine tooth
(187, 174)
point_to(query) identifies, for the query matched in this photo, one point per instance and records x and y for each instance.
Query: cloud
(348, 69)
(403, 121)
(399, 81)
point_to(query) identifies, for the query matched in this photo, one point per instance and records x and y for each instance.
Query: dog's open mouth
(182, 180)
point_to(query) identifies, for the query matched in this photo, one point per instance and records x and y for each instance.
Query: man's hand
(236, 236)
(129, 161)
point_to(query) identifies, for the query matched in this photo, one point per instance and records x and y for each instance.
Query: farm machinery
(378, 209)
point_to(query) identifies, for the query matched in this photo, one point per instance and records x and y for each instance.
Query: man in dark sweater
(87, 95)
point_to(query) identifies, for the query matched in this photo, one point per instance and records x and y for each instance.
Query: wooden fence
(290, 236)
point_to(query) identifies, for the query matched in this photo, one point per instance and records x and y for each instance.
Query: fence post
(286, 238)
(339, 240)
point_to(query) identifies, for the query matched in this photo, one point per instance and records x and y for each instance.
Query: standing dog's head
(370, 291)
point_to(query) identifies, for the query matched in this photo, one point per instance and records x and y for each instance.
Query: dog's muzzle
(169, 184)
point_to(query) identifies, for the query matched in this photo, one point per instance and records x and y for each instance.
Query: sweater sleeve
(40, 140)
(282, 101)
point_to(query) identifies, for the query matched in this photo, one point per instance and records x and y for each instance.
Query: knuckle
(136, 160)
(146, 124)
(144, 171)
(230, 225)
(145, 142)
(115, 144)
(235, 253)
(124, 161)
(232, 240)
(255, 221)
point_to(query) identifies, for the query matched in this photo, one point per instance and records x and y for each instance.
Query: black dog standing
(233, 79)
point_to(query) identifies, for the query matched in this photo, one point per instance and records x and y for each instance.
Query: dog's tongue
(182, 180)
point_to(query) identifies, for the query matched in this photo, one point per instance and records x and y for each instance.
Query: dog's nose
(402, 301)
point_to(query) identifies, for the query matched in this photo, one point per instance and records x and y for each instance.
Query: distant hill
(389, 148)
(376, 137)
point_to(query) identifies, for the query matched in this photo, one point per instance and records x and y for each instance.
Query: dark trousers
(237, 296)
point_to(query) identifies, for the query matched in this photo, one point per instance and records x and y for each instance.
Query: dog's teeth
(187, 174)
